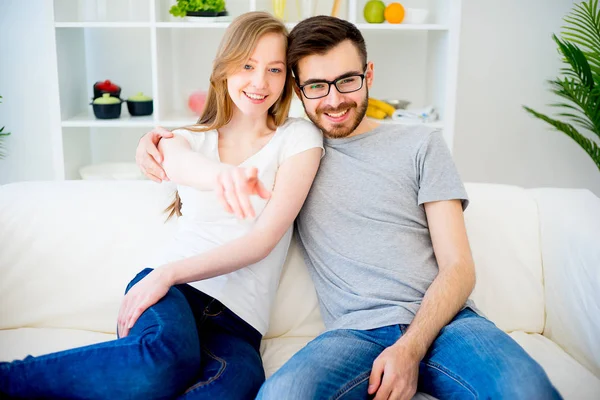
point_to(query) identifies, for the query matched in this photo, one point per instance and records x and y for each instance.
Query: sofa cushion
(16, 344)
(503, 229)
(570, 378)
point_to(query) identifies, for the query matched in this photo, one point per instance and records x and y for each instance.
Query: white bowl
(111, 171)
(415, 15)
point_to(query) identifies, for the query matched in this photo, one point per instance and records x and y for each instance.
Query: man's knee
(287, 386)
(527, 382)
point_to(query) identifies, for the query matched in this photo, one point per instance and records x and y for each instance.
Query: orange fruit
(394, 13)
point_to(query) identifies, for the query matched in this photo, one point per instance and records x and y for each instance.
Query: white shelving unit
(138, 45)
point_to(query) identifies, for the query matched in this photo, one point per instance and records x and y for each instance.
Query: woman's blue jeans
(188, 345)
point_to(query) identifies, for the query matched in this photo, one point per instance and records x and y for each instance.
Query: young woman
(191, 326)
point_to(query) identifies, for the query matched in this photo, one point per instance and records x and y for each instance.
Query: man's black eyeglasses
(344, 84)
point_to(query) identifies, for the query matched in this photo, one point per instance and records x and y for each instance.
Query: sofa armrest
(570, 242)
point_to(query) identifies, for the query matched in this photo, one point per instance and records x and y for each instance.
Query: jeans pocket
(212, 367)
(352, 385)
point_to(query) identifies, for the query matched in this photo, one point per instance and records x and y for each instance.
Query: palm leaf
(583, 29)
(584, 25)
(586, 144)
(575, 57)
(2, 135)
(586, 102)
(579, 84)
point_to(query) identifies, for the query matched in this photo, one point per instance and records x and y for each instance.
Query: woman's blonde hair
(235, 49)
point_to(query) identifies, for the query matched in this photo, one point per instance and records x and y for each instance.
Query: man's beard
(340, 130)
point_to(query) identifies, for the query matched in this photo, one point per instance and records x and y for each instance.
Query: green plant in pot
(3, 136)
(579, 84)
(199, 8)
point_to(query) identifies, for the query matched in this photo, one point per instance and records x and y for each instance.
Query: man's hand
(147, 156)
(400, 369)
(234, 187)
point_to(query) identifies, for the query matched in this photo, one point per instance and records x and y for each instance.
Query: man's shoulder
(413, 132)
(404, 138)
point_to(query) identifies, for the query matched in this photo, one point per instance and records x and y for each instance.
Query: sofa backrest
(70, 248)
(503, 228)
(570, 235)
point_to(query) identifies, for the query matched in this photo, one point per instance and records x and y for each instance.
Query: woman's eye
(275, 70)
(247, 66)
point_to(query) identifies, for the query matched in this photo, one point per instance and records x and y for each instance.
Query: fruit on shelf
(382, 105)
(394, 13)
(375, 112)
(374, 12)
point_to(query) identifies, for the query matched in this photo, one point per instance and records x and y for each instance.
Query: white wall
(28, 85)
(506, 56)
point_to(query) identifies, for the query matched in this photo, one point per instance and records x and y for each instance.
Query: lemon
(374, 11)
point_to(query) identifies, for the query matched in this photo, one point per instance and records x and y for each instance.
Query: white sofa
(68, 249)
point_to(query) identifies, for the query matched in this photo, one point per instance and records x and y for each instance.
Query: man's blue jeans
(470, 359)
(187, 340)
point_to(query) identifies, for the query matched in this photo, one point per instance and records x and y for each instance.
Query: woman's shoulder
(194, 134)
(299, 135)
(300, 129)
(195, 130)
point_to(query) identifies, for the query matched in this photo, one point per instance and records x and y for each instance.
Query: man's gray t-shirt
(363, 228)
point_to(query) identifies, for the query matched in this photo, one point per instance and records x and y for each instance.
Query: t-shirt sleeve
(437, 176)
(302, 136)
(195, 139)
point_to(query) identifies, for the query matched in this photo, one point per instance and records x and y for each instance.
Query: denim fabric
(188, 344)
(470, 359)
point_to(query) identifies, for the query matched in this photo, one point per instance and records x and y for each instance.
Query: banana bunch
(379, 109)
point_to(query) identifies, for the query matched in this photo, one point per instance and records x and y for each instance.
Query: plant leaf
(586, 144)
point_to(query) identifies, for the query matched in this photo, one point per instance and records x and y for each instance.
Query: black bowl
(207, 13)
(139, 108)
(107, 111)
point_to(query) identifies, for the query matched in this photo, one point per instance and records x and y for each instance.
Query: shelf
(291, 25)
(224, 25)
(214, 25)
(140, 46)
(102, 24)
(402, 27)
(177, 121)
(88, 120)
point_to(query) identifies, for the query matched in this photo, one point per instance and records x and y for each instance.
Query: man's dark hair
(318, 35)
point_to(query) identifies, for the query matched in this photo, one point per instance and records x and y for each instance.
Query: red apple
(196, 102)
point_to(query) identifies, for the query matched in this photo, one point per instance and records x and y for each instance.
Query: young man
(384, 239)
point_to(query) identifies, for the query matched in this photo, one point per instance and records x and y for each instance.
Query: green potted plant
(3, 136)
(198, 8)
(579, 83)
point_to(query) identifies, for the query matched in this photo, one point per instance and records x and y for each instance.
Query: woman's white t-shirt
(204, 224)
